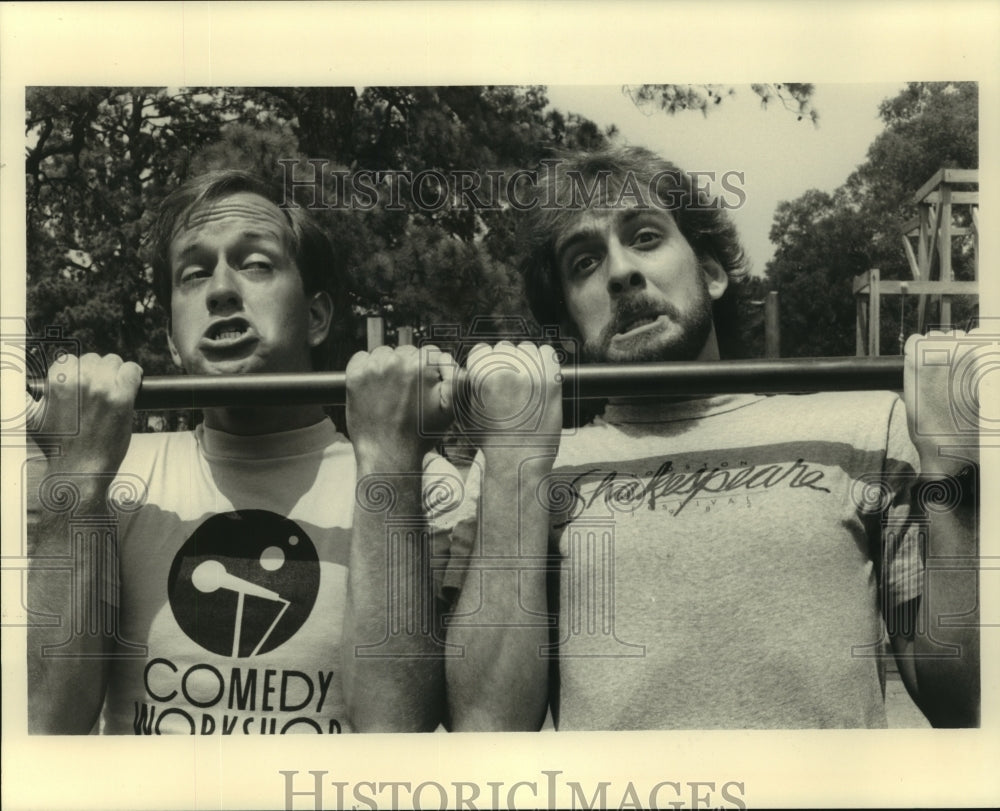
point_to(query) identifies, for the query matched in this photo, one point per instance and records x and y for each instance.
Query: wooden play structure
(933, 229)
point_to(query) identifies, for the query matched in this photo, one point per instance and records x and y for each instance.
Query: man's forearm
(393, 672)
(500, 682)
(946, 645)
(68, 661)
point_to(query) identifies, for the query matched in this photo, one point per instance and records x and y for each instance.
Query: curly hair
(321, 267)
(706, 226)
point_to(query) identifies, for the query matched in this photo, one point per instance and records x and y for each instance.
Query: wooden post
(873, 313)
(944, 251)
(924, 261)
(404, 336)
(376, 332)
(975, 241)
(859, 327)
(772, 326)
(862, 288)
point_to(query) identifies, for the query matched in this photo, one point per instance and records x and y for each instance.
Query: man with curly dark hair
(730, 561)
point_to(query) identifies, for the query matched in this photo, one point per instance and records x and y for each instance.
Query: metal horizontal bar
(733, 377)
(590, 381)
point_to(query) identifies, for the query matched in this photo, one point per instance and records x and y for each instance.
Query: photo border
(465, 43)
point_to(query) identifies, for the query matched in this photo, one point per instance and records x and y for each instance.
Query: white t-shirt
(233, 555)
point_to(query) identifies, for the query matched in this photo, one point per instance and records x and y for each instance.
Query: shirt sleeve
(450, 509)
(903, 528)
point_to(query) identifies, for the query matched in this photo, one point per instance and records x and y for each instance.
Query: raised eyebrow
(574, 239)
(194, 246)
(626, 217)
(633, 214)
(272, 238)
(267, 235)
(182, 257)
(622, 219)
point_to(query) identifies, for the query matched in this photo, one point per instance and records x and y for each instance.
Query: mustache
(627, 310)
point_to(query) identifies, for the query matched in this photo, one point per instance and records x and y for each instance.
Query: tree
(824, 240)
(674, 98)
(99, 161)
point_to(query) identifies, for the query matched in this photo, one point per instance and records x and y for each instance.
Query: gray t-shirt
(720, 561)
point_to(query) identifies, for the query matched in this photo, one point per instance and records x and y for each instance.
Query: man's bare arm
(392, 652)
(500, 682)
(940, 660)
(86, 424)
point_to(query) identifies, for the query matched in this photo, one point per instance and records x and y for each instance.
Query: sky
(781, 157)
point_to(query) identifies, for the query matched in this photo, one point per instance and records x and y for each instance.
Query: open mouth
(639, 324)
(227, 332)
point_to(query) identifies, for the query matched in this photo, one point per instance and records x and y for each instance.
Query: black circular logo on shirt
(244, 582)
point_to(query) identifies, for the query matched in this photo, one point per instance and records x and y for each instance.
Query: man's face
(635, 289)
(238, 304)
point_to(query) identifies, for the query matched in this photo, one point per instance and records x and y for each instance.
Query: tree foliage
(675, 98)
(99, 161)
(825, 239)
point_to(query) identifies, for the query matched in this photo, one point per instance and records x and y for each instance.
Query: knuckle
(360, 359)
(61, 367)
